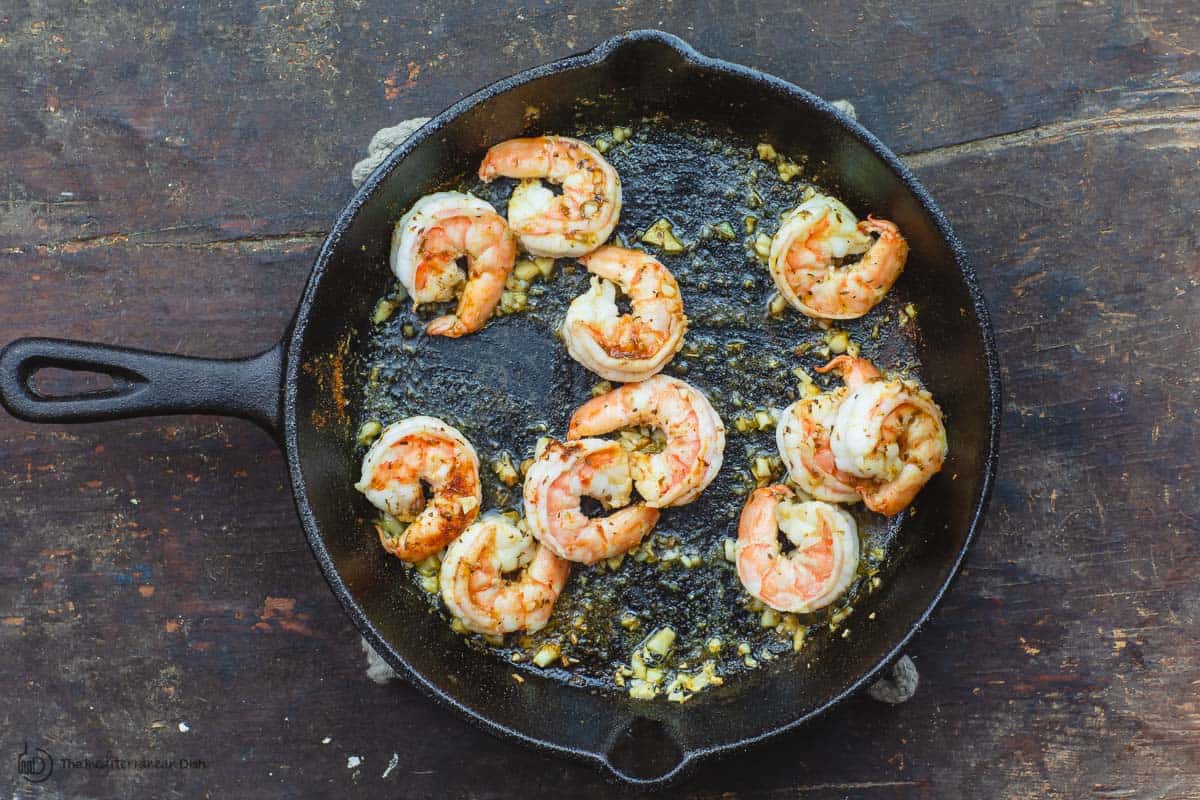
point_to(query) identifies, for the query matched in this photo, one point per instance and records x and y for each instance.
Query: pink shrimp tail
(448, 325)
(854, 371)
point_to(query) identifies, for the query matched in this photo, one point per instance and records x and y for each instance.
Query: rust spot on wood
(277, 605)
(295, 626)
(392, 86)
(281, 611)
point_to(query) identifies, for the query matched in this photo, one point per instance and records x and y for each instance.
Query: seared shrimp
(569, 224)
(426, 245)
(821, 564)
(820, 230)
(803, 440)
(625, 347)
(695, 436)
(802, 437)
(408, 454)
(887, 433)
(480, 584)
(557, 481)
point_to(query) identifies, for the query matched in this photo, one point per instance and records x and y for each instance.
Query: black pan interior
(499, 384)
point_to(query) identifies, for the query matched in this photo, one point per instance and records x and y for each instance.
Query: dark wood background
(166, 177)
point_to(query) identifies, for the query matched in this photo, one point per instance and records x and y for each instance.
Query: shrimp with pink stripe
(887, 433)
(572, 223)
(633, 346)
(802, 437)
(429, 240)
(560, 477)
(695, 436)
(821, 564)
(813, 237)
(496, 579)
(409, 456)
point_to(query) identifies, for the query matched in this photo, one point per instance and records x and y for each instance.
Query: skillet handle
(144, 383)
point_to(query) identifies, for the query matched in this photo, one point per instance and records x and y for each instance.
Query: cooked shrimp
(818, 569)
(557, 481)
(887, 433)
(820, 230)
(480, 581)
(803, 440)
(625, 347)
(426, 245)
(569, 224)
(854, 371)
(695, 436)
(409, 454)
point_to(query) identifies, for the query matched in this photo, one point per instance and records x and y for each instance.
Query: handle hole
(645, 751)
(57, 383)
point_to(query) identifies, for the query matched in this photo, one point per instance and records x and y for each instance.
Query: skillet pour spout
(641, 75)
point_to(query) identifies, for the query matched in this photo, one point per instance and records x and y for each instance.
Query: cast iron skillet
(301, 392)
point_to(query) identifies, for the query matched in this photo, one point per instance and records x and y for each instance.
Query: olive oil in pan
(705, 203)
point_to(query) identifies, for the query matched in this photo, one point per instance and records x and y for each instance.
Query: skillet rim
(689, 758)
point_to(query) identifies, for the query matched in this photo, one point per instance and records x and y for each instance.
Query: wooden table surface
(166, 177)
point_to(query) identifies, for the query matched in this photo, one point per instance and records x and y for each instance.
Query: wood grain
(165, 180)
